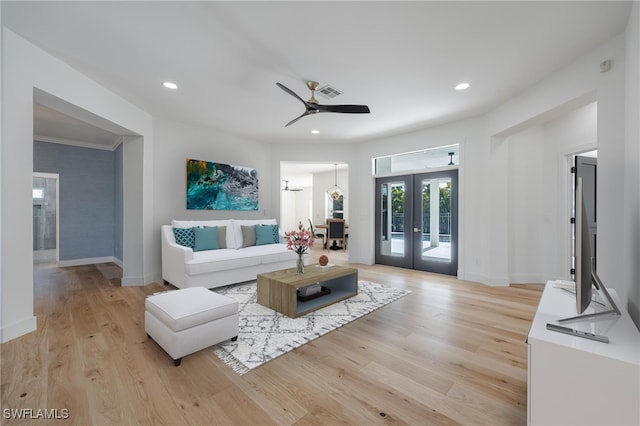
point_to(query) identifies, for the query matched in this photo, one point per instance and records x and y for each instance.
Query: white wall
(570, 87)
(174, 142)
(289, 209)
(25, 68)
(28, 322)
(630, 244)
(569, 134)
(526, 215)
(539, 198)
(610, 183)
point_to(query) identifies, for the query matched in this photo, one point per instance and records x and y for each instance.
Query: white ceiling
(402, 59)
(54, 126)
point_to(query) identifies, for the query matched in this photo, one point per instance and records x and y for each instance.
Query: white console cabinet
(576, 381)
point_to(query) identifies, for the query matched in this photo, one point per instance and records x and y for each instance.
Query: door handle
(416, 229)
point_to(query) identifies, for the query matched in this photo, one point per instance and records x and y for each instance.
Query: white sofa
(183, 267)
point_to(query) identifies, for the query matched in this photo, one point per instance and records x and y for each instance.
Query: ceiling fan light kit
(313, 107)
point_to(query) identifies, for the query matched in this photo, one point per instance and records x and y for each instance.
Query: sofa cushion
(236, 228)
(230, 236)
(270, 253)
(188, 307)
(205, 238)
(248, 235)
(222, 237)
(184, 236)
(220, 260)
(267, 234)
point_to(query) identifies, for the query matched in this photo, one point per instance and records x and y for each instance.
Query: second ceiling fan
(286, 187)
(313, 107)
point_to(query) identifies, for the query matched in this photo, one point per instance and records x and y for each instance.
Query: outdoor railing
(397, 224)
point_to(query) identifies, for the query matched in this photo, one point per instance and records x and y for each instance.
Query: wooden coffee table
(278, 290)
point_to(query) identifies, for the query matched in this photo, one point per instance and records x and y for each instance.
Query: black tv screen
(584, 279)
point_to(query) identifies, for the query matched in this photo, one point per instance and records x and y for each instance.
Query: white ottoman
(188, 320)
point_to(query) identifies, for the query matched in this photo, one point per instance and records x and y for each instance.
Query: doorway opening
(45, 217)
(305, 193)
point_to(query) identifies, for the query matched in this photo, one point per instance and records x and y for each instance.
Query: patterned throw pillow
(267, 234)
(184, 236)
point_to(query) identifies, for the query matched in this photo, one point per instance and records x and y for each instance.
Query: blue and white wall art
(217, 186)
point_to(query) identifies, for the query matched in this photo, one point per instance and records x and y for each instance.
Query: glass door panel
(393, 221)
(435, 230)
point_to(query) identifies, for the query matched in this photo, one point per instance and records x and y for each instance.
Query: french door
(417, 221)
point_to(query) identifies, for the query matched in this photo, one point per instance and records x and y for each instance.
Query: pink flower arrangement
(299, 241)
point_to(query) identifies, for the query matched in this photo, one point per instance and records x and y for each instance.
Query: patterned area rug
(266, 334)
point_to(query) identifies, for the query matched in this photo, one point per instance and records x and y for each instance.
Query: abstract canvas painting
(217, 186)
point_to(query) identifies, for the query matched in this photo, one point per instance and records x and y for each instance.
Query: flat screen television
(585, 270)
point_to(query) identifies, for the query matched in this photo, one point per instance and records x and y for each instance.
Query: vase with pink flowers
(300, 241)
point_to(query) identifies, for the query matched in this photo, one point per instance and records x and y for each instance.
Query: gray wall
(87, 198)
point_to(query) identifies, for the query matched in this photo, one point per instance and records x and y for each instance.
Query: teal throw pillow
(184, 236)
(267, 234)
(206, 238)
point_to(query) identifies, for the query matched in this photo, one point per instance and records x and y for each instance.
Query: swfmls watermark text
(35, 413)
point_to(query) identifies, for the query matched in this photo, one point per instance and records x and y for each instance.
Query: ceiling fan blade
(297, 118)
(292, 93)
(349, 109)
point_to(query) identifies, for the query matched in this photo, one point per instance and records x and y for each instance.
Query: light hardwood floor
(451, 352)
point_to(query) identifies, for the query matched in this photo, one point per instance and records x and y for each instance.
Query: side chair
(336, 232)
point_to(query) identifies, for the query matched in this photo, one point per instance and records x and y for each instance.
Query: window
(334, 208)
(425, 159)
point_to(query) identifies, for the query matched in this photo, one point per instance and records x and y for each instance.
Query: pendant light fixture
(335, 192)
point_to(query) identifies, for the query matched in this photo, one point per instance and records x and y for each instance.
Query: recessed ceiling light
(315, 131)
(170, 85)
(462, 86)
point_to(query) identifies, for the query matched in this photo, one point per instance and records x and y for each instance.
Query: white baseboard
(18, 329)
(484, 279)
(125, 282)
(361, 260)
(527, 279)
(132, 281)
(153, 278)
(140, 281)
(498, 282)
(88, 261)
